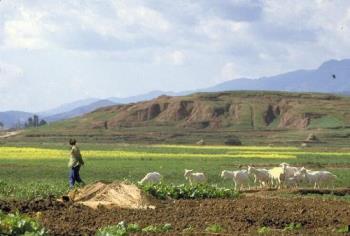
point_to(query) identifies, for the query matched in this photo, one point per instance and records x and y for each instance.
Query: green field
(41, 170)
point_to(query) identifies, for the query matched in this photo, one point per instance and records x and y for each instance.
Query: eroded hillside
(255, 117)
(238, 110)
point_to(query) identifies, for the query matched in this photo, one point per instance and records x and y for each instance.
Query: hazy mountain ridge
(11, 119)
(68, 107)
(317, 80)
(80, 110)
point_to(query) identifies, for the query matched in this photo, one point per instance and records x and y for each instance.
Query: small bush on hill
(233, 141)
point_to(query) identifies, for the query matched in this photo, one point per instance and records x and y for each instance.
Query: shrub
(233, 141)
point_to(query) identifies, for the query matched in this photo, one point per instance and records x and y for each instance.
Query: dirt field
(241, 216)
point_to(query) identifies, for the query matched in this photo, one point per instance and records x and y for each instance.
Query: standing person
(75, 162)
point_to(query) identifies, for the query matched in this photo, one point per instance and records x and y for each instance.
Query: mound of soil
(109, 195)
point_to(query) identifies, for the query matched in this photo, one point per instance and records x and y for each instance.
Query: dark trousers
(74, 176)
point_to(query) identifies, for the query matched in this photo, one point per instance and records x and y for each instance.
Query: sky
(55, 51)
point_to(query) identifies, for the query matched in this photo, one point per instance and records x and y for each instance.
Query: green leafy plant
(157, 228)
(184, 191)
(344, 229)
(16, 224)
(292, 227)
(264, 230)
(215, 228)
(124, 229)
(188, 230)
(133, 228)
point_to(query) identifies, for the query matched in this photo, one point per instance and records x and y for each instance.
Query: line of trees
(34, 122)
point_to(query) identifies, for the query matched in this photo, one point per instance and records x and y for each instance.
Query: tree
(35, 120)
(42, 122)
(1, 125)
(29, 122)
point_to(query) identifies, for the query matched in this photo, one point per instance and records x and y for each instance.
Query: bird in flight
(334, 76)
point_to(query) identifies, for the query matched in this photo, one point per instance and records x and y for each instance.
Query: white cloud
(229, 71)
(27, 30)
(140, 16)
(10, 76)
(123, 42)
(174, 57)
(220, 29)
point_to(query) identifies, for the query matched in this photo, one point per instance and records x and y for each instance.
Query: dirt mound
(110, 195)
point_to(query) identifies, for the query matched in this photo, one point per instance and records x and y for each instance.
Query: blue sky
(55, 51)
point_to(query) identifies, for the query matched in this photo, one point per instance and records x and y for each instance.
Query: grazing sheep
(239, 177)
(261, 176)
(194, 178)
(289, 171)
(293, 182)
(318, 177)
(277, 176)
(152, 177)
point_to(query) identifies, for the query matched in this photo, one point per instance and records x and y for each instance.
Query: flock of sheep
(278, 177)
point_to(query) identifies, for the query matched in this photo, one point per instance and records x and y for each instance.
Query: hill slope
(226, 110)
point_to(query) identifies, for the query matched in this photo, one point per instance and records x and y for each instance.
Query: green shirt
(76, 159)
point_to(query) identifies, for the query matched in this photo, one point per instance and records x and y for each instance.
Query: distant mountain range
(331, 77)
(68, 107)
(12, 119)
(79, 110)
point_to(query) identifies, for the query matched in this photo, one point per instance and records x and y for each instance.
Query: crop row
(184, 191)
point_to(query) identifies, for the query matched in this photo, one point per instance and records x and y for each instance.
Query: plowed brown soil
(240, 216)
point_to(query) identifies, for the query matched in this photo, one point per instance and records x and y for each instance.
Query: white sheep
(294, 181)
(277, 176)
(318, 177)
(289, 171)
(261, 176)
(194, 178)
(152, 177)
(291, 182)
(239, 177)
